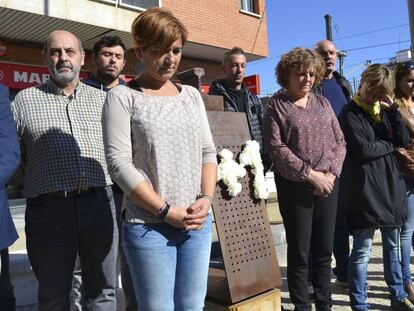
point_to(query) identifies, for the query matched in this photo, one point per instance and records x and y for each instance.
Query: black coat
(253, 110)
(254, 113)
(373, 191)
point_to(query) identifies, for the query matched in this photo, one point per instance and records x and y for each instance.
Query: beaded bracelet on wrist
(163, 211)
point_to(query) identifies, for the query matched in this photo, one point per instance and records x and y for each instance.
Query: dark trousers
(341, 248)
(7, 299)
(123, 268)
(78, 302)
(57, 229)
(309, 222)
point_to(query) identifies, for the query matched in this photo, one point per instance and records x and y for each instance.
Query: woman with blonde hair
(371, 186)
(160, 151)
(303, 138)
(404, 95)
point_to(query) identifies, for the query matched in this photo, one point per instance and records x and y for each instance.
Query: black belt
(72, 193)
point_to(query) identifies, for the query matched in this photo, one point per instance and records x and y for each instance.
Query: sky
(356, 25)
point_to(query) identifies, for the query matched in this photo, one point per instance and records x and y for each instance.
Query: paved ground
(378, 294)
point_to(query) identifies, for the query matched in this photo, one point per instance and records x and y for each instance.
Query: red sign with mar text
(19, 77)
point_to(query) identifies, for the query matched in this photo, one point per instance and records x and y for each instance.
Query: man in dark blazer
(9, 160)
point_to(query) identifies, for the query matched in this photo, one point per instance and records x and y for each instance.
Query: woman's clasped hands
(190, 218)
(322, 182)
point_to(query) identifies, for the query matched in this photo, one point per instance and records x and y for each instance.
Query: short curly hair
(108, 42)
(299, 59)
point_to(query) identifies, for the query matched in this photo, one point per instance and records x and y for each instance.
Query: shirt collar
(56, 89)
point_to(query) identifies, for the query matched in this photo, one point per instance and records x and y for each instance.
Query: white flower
(234, 189)
(251, 156)
(260, 188)
(229, 171)
(245, 159)
(258, 169)
(226, 154)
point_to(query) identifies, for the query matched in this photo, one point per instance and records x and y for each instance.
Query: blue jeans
(358, 265)
(407, 234)
(169, 266)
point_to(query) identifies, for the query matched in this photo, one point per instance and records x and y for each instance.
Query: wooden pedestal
(268, 301)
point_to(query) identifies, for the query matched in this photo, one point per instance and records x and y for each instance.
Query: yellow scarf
(373, 110)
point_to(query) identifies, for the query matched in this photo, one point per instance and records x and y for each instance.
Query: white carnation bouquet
(229, 171)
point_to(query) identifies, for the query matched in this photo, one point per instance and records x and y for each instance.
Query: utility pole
(328, 24)
(410, 5)
(341, 54)
(354, 80)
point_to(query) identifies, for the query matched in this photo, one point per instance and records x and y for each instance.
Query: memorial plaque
(242, 223)
(213, 102)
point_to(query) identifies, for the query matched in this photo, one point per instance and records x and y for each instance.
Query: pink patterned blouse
(299, 139)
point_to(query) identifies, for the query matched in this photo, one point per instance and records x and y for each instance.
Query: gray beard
(65, 78)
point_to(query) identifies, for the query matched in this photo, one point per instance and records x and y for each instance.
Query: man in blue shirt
(334, 87)
(338, 91)
(9, 161)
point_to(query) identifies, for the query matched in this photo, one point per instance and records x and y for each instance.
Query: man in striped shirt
(70, 208)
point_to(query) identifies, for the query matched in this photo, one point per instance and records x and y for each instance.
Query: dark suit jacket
(9, 161)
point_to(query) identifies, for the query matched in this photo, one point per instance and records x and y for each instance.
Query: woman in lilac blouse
(303, 138)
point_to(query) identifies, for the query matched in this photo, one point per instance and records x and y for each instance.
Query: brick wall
(219, 23)
(215, 22)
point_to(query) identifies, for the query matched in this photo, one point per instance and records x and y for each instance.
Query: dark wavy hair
(108, 42)
(400, 71)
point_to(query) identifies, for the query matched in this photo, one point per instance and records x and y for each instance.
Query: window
(140, 4)
(135, 4)
(110, 1)
(250, 6)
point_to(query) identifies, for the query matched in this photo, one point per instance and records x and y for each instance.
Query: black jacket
(253, 110)
(91, 81)
(373, 191)
(342, 81)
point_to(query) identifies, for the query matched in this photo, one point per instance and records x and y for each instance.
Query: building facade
(400, 57)
(214, 27)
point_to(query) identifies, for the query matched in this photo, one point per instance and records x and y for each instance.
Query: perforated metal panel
(242, 223)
